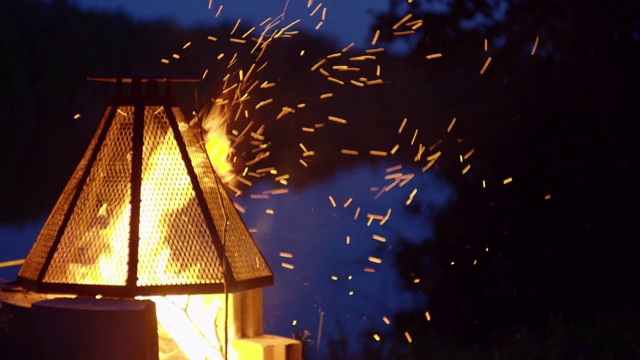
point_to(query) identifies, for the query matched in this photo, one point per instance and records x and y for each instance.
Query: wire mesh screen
(94, 247)
(176, 246)
(244, 256)
(38, 253)
(190, 238)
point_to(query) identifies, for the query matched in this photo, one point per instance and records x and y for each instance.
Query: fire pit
(145, 215)
(144, 212)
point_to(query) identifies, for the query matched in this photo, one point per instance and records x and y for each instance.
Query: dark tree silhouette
(507, 269)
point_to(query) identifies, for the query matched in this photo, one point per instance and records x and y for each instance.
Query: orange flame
(217, 143)
(189, 322)
(189, 326)
(192, 321)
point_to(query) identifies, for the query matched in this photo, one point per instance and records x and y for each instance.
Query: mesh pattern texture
(188, 222)
(37, 255)
(94, 247)
(176, 246)
(244, 256)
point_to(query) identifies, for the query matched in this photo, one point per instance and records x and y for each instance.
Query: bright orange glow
(379, 238)
(408, 336)
(189, 326)
(216, 141)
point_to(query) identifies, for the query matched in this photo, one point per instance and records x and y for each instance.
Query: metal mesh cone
(146, 219)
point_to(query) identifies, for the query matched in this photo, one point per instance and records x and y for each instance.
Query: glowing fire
(216, 141)
(191, 326)
(192, 322)
(189, 321)
(188, 325)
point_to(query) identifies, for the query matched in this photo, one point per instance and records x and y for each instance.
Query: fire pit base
(17, 339)
(85, 328)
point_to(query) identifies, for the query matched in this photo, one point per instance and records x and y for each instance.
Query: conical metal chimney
(144, 213)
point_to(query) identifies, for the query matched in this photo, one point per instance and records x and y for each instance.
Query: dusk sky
(347, 20)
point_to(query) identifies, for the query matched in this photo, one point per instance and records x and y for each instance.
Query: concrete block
(266, 347)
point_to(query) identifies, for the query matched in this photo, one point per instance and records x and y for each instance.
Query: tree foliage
(544, 264)
(49, 49)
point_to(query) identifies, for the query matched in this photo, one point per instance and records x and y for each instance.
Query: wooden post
(250, 342)
(251, 313)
